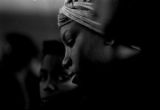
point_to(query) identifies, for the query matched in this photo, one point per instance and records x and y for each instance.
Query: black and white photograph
(77, 54)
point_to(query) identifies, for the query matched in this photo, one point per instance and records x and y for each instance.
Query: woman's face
(84, 49)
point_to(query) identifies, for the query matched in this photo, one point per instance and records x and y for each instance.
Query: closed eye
(70, 42)
(68, 38)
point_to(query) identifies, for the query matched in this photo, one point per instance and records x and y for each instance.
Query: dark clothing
(125, 84)
(70, 100)
(11, 93)
(130, 82)
(32, 87)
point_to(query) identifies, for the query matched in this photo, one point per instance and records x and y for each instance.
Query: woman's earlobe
(124, 52)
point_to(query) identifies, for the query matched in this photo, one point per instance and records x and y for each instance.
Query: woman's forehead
(70, 27)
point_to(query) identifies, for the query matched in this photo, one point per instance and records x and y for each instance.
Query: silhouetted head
(22, 50)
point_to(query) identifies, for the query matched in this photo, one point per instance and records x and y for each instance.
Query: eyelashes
(69, 38)
(70, 42)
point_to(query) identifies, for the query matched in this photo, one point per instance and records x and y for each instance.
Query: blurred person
(4, 47)
(109, 68)
(19, 86)
(55, 85)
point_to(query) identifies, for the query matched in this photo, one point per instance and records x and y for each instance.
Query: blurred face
(53, 78)
(4, 48)
(84, 49)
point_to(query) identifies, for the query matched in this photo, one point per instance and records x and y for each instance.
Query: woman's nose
(67, 62)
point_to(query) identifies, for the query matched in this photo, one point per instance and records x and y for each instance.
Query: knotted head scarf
(81, 11)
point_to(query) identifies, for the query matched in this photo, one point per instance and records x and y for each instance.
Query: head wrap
(81, 11)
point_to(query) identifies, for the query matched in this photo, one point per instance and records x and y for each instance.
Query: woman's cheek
(86, 47)
(75, 56)
(90, 50)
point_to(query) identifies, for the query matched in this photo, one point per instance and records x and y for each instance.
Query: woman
(105, 66)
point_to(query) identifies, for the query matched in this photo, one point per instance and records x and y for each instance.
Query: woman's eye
(69, 38)
(70, 42)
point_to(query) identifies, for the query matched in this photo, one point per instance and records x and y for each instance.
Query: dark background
(37, 18)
